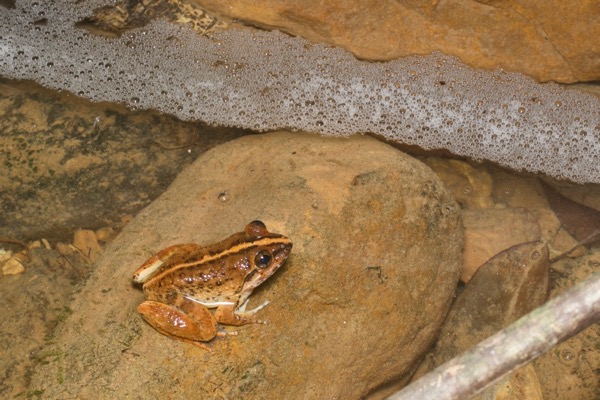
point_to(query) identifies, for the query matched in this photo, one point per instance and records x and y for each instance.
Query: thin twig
(526, 339)
(593, 237)
(14, 241)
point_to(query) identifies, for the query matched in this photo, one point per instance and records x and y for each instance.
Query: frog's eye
(263, 259)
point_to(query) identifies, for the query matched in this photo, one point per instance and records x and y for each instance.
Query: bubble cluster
(268, 80)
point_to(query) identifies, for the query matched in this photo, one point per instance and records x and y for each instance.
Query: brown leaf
(506, 287)
(582, 222)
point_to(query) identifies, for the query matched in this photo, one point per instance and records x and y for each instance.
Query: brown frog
(182, 282)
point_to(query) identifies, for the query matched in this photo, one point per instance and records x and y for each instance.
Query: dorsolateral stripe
(238, 248)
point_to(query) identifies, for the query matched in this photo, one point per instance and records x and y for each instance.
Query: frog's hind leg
(184, 320)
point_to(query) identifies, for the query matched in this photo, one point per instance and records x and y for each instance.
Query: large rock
(68, 163)
(548, 40)
(377, 250)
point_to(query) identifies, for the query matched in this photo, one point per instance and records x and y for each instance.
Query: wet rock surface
(547, 40)
(377, 249)
(68, 163)
(34, 302)
(565, 372)
(42, 292)
(570, 370)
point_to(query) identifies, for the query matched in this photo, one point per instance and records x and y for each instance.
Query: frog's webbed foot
(229, 315)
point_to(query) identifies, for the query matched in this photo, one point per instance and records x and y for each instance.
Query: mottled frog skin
(182, 282)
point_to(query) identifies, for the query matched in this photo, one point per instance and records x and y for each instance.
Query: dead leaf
(582, 222)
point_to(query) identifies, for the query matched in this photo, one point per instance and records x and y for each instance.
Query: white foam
(268, 80)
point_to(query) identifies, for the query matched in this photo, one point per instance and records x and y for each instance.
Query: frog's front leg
(231, 314)
(184, 319)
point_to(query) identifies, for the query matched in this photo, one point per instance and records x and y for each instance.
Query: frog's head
(266, 253)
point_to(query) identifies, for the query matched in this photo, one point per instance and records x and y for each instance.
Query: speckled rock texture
(548, 40)
(376, 258)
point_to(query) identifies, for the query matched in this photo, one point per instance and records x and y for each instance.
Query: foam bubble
(268, 80)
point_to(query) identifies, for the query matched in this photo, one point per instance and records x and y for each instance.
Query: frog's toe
(223, 332)
(242, 308)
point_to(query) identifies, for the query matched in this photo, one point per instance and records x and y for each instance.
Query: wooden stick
(523, 341)
(14, 241)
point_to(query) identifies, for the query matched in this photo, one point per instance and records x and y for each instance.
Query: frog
(183, 282)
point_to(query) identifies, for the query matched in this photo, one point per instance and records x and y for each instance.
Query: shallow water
(70, 164)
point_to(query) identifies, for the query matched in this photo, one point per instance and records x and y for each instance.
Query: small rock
(516, 191)
(5, 255)
(105, 234)
(12, 266)
(64, 249)
(471, 187)
(36, 244)
(86, 242)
